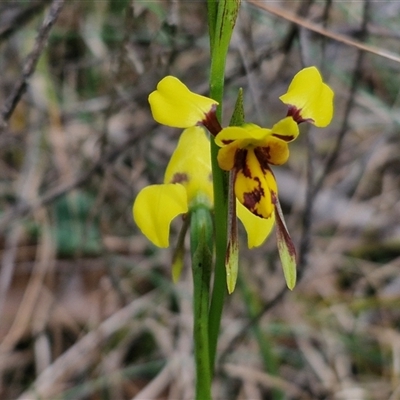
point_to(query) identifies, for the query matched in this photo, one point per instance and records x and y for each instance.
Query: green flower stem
(222, 18)
(226, 15)
(212, 10)
(220, 180)
(201, 237)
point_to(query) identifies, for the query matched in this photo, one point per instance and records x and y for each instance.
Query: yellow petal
(286, 129)
(246, 134)
(190, 164)
(154, 209)
(258, 229)
(253, 185)
(173, 104)
(226, 156)
(274, 151)
(310, 97)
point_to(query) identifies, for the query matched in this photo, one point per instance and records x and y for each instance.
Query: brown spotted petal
(254, 183)
(275, 152)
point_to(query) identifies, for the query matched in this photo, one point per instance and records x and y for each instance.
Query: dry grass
(87, 306)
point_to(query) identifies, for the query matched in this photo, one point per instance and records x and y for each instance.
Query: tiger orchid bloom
(249, 151)
(187, 183)
(173, 104)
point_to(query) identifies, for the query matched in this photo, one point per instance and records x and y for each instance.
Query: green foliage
(76, 227)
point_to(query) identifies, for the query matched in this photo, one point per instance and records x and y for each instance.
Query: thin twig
(309, 206)
(82, 353)
(350, 103)
(30, 63)
(18, 18)
(325, 32)
(251, 322)
(313, 187)
(53, 194)
(26, 185)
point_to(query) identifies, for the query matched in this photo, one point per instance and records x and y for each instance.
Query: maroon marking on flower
(285, 138)
(251, 199)
(295, 113)
(241, 164)
(179, 178)
(263, 155)
(211, 122)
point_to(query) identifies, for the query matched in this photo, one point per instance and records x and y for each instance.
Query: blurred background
(88, 309)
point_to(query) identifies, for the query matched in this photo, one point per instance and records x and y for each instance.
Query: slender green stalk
(201, 236)
(223, 19)
(212, 10)
(220, 180)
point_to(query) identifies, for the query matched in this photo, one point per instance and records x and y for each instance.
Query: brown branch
(13, 20)
(279, 12)
(30, 63)
(53, 194)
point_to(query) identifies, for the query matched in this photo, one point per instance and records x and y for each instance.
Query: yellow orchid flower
(173, 104)
(309, 98)
(249, 150)
(187, 179)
